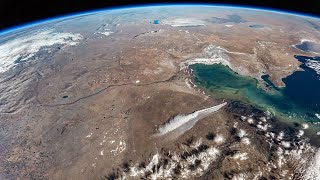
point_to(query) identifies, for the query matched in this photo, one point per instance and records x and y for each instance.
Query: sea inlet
(297, 102)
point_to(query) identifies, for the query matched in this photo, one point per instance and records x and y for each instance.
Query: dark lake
(308, 46)
(256, 26)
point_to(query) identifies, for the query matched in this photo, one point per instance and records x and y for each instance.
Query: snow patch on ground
(89, 135)
(212, 55)
(103, 141)
(25, 48)
(246, 141)
(106, 33)
(184, 22)
(240, 156)
(119, 149)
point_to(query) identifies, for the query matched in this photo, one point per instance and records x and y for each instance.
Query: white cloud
(300, 133)
(305, 125)
(205, 158)
(219, 139)
(286, 144)
(315, 65)
(262, 127)
(250, 120)
(24, 48)
(242, 133)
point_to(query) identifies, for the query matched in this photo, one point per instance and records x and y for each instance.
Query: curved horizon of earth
(160, 92)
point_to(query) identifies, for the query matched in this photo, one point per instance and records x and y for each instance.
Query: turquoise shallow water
(298, 101)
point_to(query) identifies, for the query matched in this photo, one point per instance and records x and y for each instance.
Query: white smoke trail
(182, 123)
(313, 170)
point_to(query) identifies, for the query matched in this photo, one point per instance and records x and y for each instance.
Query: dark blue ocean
(303, 87)
(298, 101)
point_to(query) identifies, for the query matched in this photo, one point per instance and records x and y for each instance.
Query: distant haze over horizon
(44, 19)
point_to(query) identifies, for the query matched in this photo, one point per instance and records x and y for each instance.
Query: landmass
(90, 102)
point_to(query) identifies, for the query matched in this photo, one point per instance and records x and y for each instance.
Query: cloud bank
(25, 48)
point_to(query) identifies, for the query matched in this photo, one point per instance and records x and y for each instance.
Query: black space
(13, 13)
